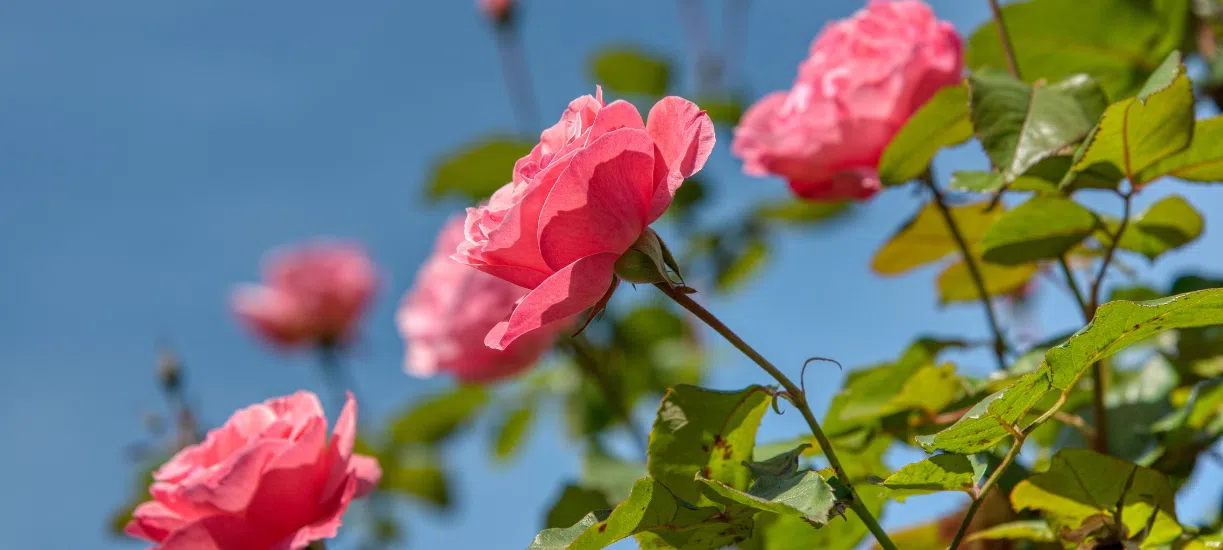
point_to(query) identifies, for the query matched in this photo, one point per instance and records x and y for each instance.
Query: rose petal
(685, 138)
(599, 204)
(569, 291)
(368, 473)
(153, 521)
(616, 115)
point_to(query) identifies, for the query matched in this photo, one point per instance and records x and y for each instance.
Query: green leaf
(803, 494)
(746, 263)
(1081, 484)
(781, 464)
(925, 239)
(1202, 161)
(706, 431)
(1136, 133)
(436, 417)
(511, 433)
(650, 508)
(955, 284)
(941, 122)
(476, 169)
(988, 182)
(944, 472)
(1054, 39)
(1167, 225)
(985, 424)
(611, 475)
(417, 477)
(1041, 228)
(1035, 530)
(573, 504)
(802, 212)
(1020, 124)
(627, 70)
(1119, 324)
(913, 382)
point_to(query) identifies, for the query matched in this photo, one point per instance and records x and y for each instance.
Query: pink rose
(450, 309)
(267, 480)
(579, 200)
(313, 295)
(865, 77)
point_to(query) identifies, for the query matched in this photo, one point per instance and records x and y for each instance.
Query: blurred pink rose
(268, 479)
(312, 295)
(579, 200)
(499, 11)
(865, 77)
(450, 309)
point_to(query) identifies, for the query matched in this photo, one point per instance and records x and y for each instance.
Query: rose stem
(798, 398)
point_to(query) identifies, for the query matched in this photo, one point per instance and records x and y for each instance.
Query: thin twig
(796, 397)
(1005, 37)
(973, 269)
(984, 490)
(517, 79)
(1110, 252)
(1074, 288)
(1099, 369)
(585, 358)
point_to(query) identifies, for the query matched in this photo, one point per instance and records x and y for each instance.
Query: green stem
(1011, 455)
(1099, 369)
(1074, 288)
(317, 545)
(973, 269)
(799, 399)
(586, 361)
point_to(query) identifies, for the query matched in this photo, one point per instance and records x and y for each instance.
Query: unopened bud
(500, 12)
(169, 372)
(645, 262)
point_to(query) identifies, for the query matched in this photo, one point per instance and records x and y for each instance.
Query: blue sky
(151, 151)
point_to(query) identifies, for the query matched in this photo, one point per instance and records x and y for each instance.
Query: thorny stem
(797, 397)
(579, 348)
(973, 269)
(517, 79)
(1005, 37)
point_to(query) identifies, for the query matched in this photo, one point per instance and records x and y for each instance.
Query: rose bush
(862, 80)
(315, 294)
(588, 190)
(451, 307)
(267, 479)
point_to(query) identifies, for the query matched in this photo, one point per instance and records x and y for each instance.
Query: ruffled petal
(569, 291)
(600, 202)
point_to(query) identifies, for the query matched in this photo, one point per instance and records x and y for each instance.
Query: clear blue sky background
(151, 151)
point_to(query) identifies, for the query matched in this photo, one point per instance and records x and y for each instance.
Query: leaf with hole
(706, 431)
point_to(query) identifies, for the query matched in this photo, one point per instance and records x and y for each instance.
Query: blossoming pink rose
(312, 295)
(268, 479)
(579, 200)
(450, 309)
(865, 77)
